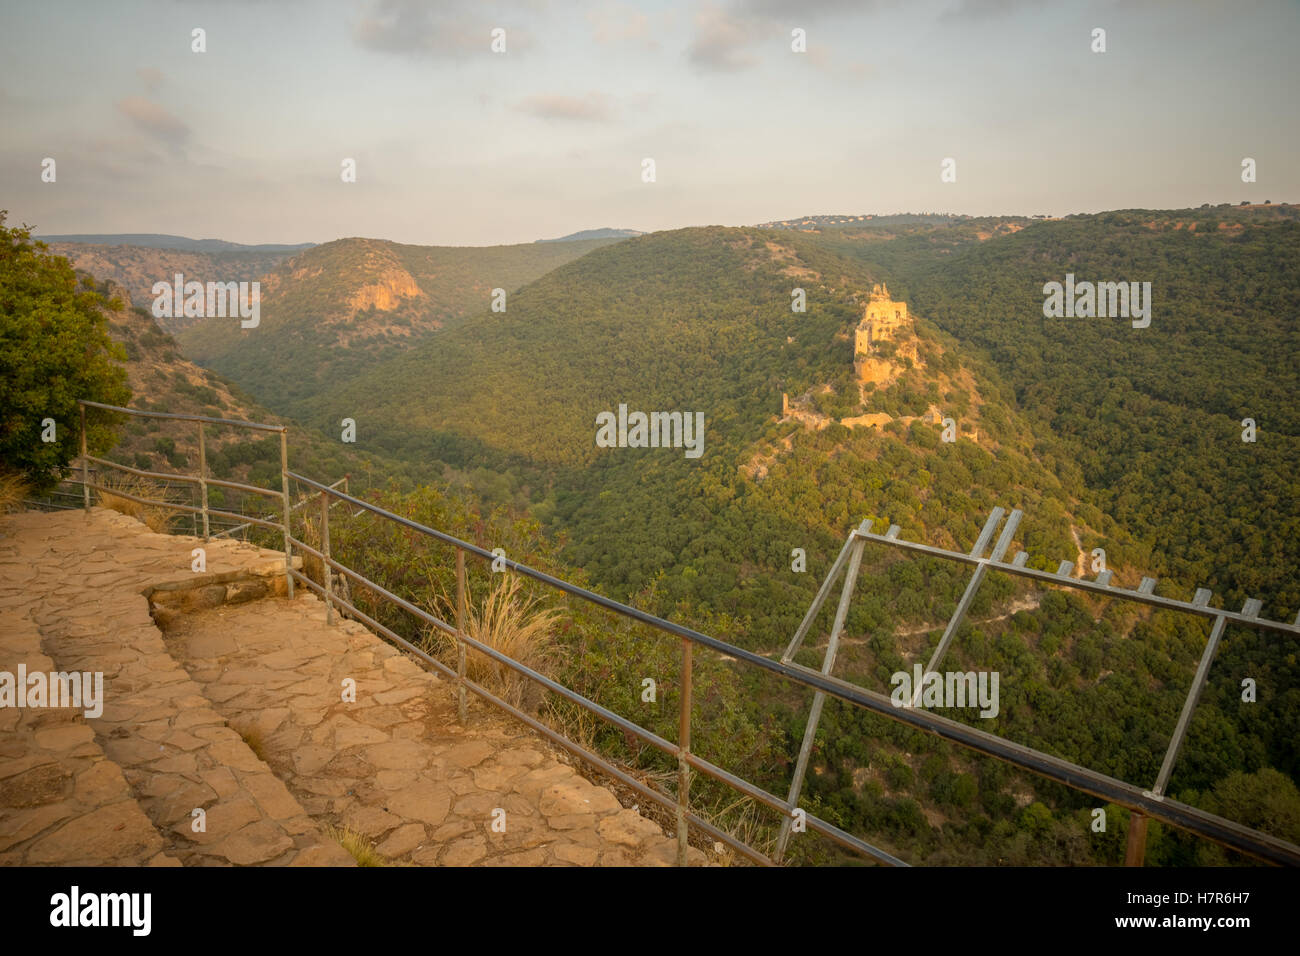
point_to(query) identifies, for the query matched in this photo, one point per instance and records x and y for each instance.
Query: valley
(922, 386)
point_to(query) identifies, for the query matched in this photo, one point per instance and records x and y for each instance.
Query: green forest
(1131, 443)
(315, 332)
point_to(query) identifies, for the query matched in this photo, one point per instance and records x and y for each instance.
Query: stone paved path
(61, 801)
(81, 586)
(181, 712)
(394, 765)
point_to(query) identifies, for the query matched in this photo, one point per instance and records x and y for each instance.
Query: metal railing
(202, 479)
(1144, 803)
(851, 555)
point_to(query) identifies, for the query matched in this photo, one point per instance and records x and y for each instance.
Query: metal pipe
(140, 413)
(644, 790)
(683, 750)
(818, 601)
(327, 572)
(1188, 818)
(284, 490)
(240, 486)
(85, 463)
(1189, 705)
(161, 475)
(622, 723)
(462, 708)
(819, 698)
(1078, 584)
(203, 486)
(951, 630)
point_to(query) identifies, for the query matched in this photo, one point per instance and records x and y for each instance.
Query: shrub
(54, 349)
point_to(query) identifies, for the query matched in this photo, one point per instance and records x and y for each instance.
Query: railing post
(819, 698)
(203, 480)
(85, 465)
(1189, 705)
(284, 489)
(325, 550)
(462, 707)
(1137, 839)
(684, 748)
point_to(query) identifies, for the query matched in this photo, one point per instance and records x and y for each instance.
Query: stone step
(393, 764)
(62, 801)
(180, 711)
(176, 753)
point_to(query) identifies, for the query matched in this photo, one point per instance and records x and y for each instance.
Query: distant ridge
(596, 234)
(153, 240)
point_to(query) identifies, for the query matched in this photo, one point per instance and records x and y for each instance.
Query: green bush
(54, 350)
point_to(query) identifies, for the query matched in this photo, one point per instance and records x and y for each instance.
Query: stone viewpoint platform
(227, 740)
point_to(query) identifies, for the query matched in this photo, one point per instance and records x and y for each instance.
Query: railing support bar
(85, 464)
(951, 630)
(284, 495)
(1189, 705)
(325, 550)
(203, 483)
(819, 698)
(683, 750)
(462, 704)
(817, 603)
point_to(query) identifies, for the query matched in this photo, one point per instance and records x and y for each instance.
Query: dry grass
(511, 623)
(155, 517)
(312, 566)
(13, 489)
(357, 844)
(741, 819)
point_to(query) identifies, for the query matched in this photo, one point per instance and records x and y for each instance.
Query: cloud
(721, 40)
(806, 9)
(152, 78)
(153, 119)
(616, 22)
(986, 9)
(594, 107)
(451, 28)
(725, 38)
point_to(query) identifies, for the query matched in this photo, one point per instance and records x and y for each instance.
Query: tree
(54, 349)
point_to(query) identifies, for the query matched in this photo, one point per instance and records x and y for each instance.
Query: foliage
(54, 350)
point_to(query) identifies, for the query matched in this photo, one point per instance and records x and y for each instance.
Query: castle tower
(881, 320)
(883, 315)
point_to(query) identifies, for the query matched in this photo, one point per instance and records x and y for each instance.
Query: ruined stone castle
(881, 321)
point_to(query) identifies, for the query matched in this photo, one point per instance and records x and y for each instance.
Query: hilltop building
(881, 321)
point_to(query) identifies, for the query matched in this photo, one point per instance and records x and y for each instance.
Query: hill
(337, 309)
(1152, 417)
(138, 267)
(596, 234)
(163, 380)
(869, 224)
(700, 320)
(151, 240)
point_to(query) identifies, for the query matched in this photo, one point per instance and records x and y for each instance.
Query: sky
(455, 144)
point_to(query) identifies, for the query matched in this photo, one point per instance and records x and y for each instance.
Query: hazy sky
(457, 145)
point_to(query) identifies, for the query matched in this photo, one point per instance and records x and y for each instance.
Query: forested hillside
(700, 319)
(139, 267)
(162, 380)
(340, 308)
